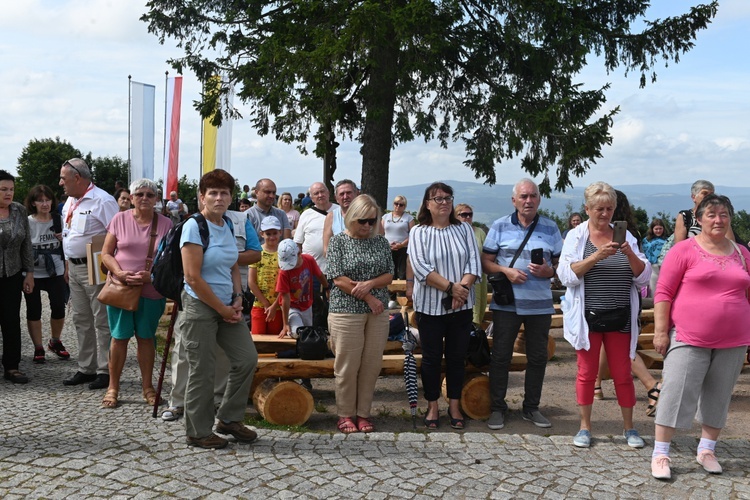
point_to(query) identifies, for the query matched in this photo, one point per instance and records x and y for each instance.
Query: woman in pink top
(702, 318)
(124, 253)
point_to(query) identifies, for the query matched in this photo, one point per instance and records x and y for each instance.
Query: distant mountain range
(491, 202)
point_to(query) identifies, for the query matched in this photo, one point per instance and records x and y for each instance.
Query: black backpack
(167, 275)
(478, 352)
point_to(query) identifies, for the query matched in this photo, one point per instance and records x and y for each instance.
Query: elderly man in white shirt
(86, 214)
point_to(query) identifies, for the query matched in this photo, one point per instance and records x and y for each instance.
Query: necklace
(399, 219)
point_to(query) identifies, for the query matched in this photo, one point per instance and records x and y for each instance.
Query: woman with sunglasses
(124, 253)
(465, 213)
(396, 226)
(445, 259)
(360, 265)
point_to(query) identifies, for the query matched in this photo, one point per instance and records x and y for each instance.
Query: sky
(65, 67)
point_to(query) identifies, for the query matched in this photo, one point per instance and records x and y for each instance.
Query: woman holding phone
(602, 278)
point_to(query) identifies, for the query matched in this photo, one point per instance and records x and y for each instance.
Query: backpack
(167, 275)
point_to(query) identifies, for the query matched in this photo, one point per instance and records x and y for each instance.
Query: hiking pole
(167, 342)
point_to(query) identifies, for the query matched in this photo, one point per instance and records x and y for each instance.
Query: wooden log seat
(283, 402)
(475, 400)
(651, 359)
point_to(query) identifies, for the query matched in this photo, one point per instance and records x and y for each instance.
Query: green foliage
(188, 192)
(741, 225)
(40, 163)
(499, 76)
(561, 221)
(642, 219)
(108, 169)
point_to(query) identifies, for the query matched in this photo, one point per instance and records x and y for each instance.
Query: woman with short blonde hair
(359, 263)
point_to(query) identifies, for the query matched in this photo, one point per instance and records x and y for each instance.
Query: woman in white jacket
(601, 306)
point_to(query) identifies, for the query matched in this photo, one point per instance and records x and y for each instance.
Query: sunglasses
(398, 204)
(466, 215)
(68, 164)
(367, 221)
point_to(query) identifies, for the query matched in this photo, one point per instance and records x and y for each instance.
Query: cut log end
(283, 403)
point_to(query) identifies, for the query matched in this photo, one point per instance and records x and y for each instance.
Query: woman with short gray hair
(125, 252)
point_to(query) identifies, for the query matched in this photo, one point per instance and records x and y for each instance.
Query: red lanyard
(73, 208)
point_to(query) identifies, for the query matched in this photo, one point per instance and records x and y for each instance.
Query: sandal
(364, 424)
(149, 396)
(172, 413)
(110, 400)
(653, 395)
(457, 423)
(431, 424)
(598, 393)
(347, 425)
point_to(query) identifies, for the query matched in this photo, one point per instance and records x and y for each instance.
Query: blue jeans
(505, 330)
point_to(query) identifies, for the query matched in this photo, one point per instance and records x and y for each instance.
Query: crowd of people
(294, 257)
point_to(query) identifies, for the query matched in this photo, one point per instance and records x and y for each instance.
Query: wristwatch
(235, 295)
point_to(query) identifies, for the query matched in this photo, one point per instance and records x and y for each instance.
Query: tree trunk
(377, 135)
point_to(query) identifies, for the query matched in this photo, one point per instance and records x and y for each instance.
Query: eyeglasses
(42, 202)
(440, 200)
(367, 221)
(466, 215)
(147, 195)
(68, 164)
(398, 204)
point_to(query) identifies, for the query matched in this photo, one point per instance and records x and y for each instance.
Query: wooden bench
(285, 403)
(651, 359)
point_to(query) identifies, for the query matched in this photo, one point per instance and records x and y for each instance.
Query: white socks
(660, 448)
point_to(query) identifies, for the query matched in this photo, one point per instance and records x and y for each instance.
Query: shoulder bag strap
(151, 241)
(525, 240)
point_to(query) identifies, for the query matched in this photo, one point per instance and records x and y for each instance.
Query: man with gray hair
(309, 232)
(511, 248)
(345, 191)
(86, 214)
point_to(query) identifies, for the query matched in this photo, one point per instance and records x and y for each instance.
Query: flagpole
(129, 119)
(166, 86)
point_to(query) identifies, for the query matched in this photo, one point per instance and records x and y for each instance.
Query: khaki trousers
(89, 320)
(357, 340)
(203, 329)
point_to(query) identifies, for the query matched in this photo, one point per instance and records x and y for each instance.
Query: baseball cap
(287, 255)
(270, 222)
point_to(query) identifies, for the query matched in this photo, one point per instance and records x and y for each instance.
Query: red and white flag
(172, 134)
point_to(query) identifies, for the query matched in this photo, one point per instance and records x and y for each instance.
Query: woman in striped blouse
(601, 306)
(445, 258)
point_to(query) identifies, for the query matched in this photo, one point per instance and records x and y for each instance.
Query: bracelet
(449, 290)
(410, 281)
(235, 295)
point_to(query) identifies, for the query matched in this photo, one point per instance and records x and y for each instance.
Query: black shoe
(79, 378)
(16, 377)
(101, 381)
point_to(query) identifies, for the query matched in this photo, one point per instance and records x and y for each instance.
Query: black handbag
(478, 353)
(502, 288)
(312, 342)
(607, 320)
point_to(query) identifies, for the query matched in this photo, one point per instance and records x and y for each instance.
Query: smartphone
(619, 231)
(447, 303)
(537, 256)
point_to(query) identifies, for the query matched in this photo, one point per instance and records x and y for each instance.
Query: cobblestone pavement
(55, 442)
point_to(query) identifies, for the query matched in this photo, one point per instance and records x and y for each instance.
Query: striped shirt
(607, 284)
(450, 252)
(505, 236)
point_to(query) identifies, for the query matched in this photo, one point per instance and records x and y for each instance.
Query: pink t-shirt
(708, 294)
(132, 244)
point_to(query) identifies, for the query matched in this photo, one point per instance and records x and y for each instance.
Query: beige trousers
(358, 341)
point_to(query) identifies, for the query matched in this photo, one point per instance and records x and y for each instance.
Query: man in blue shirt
(532, 304)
